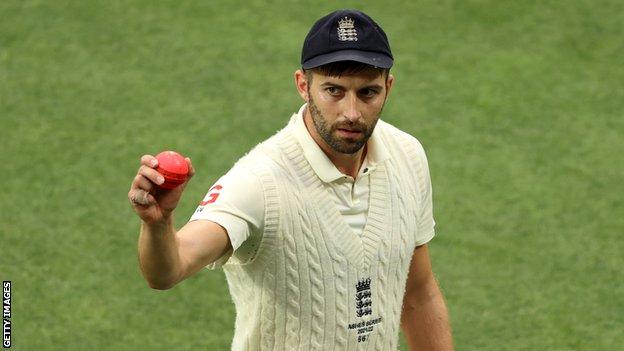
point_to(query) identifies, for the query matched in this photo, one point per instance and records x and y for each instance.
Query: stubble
(327, 131)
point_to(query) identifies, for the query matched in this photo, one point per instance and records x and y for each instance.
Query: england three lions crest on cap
(346, 29)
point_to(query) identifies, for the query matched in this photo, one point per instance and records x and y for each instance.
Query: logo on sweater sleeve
(211, 197)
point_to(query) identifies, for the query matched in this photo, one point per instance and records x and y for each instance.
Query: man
(322, 229)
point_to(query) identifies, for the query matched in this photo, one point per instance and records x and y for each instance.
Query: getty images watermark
(6, 314)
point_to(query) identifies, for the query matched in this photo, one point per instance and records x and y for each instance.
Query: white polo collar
(321, 164)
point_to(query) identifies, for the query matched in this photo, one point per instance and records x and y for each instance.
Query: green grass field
(519, 105)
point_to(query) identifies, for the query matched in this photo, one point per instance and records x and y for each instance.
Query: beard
(344, 145)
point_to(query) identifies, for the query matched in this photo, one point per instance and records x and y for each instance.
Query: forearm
(425, 322)
(158, 254)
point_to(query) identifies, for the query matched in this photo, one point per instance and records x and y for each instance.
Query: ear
(301, 81)
(389, 83)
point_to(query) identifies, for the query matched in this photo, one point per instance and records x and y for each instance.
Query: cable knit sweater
(314, 284)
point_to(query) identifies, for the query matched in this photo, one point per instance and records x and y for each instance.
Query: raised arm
(167, 256)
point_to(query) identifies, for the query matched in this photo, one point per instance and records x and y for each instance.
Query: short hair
(340, 68)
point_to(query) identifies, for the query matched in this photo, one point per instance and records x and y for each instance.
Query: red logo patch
(213, 194)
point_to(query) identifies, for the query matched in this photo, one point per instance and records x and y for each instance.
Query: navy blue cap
(346, 35)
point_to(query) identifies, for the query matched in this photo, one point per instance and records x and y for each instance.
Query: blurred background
(519, 105)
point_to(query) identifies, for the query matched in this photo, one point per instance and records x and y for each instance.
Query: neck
(348, 164)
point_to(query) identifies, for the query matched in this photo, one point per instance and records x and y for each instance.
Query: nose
(352, 113)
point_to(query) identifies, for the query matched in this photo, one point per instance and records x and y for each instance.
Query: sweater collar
(321, 164)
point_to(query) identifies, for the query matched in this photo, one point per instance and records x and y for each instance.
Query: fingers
(151, 174)
(144, 182)
(141, 182)
(149, 161)
(140, 197)
(147, 175)
(139, 194)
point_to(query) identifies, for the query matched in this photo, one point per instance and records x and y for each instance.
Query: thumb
(191, 168)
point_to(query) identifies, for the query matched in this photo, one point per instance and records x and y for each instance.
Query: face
(345, 109)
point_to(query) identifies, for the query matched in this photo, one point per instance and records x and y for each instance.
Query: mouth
(349, 133)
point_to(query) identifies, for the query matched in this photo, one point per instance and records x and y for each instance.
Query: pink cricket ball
(173, 168)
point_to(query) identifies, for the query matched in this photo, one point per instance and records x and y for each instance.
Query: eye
(333, 91)
(368, 92)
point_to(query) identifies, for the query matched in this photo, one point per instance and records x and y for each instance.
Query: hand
(152, 203)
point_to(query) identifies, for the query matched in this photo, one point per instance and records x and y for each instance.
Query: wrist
(159, 225)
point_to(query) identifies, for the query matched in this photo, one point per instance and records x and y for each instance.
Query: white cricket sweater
(314, 284)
